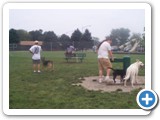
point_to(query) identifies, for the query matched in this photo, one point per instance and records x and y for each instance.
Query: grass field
(54, 90)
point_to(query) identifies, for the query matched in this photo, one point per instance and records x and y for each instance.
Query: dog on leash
(132, 72)
(48, 64)
(117, 72)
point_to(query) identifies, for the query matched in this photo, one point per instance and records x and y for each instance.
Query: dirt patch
(91, 83)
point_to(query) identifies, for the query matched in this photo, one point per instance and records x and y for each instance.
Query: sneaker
(34, 71)
(39, 71)
(106, 78)
(100, 80)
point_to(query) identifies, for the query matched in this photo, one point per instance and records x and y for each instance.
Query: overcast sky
(100, 22)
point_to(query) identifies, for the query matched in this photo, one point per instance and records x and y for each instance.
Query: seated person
(70, 51)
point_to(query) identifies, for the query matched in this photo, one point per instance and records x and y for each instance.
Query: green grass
(54, 90)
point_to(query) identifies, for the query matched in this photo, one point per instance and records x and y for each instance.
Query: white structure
(129, 47)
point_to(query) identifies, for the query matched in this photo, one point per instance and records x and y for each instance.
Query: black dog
(119, 72)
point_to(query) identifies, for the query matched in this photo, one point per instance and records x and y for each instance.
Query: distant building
(29, 43)
(23, 45)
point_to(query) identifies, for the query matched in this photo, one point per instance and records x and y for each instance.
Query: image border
(5, 53)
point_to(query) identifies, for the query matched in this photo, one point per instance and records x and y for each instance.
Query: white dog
(132, 72)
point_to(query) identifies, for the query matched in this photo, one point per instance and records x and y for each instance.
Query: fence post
(126, 62)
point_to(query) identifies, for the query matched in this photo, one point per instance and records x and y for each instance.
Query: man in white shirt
(104, 55)
(36, 56)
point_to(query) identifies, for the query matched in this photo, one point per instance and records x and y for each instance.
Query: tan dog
(47, 64)
(132, 72)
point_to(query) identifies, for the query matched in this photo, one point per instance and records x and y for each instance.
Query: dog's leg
(50, 66)
(132, 81)
(125, 81)
(121, 78)
(114, 77)
(136, 79)
(127, 77)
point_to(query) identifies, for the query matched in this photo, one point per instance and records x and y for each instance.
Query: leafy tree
(64, 41)
(136, 36)
(86, 36)
(95, 40)
(51, 40)
(76, 37)
(13, 36)
(119, 36)
(23, 35)
(36, 35)
(50, 36)
(86, 40)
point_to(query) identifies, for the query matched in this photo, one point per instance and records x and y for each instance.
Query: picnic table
(79, 57)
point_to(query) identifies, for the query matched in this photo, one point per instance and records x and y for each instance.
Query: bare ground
(91, 83)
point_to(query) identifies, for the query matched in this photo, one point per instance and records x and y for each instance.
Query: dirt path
(91, 83)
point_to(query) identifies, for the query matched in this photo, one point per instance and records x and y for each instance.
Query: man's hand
(112, 59)
(31, 52)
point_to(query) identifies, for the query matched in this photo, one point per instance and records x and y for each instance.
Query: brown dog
(47, 64)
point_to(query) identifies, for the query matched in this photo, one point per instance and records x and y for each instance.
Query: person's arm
(41, 49)
(111, 55)
(30, 50)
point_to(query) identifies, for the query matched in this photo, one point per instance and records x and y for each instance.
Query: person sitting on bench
(70, 51)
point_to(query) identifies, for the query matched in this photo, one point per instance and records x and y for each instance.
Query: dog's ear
(137, 60)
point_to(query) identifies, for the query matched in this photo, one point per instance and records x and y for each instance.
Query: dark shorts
(36, 61)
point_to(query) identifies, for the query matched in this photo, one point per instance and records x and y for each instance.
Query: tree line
(78, 39)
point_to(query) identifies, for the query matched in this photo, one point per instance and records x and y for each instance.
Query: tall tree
(76, 37)
(64, 41)
(86, 40)
(50, 36)
(119, 36)
(36, 35)
(13, 36)
(23, 35)
(95, 40)
(51, 40)
(136, 36)
(86, 36)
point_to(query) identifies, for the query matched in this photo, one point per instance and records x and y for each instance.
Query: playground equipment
(129, 47)
(134, 46)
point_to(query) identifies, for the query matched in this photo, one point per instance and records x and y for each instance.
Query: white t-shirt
(70, 49)
(103, 50)
(36, 50)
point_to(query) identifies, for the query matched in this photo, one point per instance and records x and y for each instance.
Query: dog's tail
(127, 76)
(111, 68)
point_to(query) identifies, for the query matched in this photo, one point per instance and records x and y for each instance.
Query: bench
(126, 60)
(77, 56)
